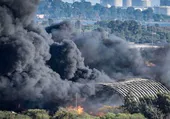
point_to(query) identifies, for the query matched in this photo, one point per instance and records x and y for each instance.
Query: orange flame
(79, 110)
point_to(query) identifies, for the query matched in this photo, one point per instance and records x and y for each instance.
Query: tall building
(146, 3)
(141, 3)
(136, 2)
(162, 10)
(106, 2)
(116, 3)
(127, 3)
(165, 2)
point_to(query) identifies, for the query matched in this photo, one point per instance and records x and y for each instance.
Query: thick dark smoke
(67, 61)
(108, 54)
(105, 53)
(61, 31)
(161, 58)
(29, 76)
(37, 71)
(165, 71)
(111, 55)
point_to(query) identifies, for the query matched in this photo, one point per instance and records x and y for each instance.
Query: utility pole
(76, 101)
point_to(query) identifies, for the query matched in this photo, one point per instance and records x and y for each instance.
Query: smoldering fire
(40, 71)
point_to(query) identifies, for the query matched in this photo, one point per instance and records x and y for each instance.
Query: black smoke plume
(161, 58)
(67, 61)
(29, 76)
(104, 52)
(113, 56)
(37, 71)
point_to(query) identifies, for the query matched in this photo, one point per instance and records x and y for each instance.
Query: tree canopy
(85, 10)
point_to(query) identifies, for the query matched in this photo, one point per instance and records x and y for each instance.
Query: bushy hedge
(64, 114)
(123, 116)
(12, 115)
(152, 107)
(37, 114)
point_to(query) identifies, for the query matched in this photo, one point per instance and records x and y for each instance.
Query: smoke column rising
(40, 71)
(25, 77)
(104, 52)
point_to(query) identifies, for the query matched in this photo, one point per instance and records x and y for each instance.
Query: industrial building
(127, 3)
(137, 87)
(145, 3)
(136, 3)
(165, 10)
(141, 3)
(116, 3)
(165, 2)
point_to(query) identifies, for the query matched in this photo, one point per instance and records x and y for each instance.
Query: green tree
(138, 15)
(130, 13)
(148, 14)
(12, 115)
(163, 102)
(37, 114)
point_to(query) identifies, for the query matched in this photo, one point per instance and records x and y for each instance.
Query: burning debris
(79, 110)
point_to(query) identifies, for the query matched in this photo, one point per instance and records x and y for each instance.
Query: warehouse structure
(116, 3)
(138, 88)
(127, 3)
(165, 10)
(165, 2)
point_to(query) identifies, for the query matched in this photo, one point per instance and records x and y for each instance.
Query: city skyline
(154, 2)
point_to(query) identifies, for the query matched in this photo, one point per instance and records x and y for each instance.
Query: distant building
(165, 2)
(165, 10)
(127, 3)
(131, 89)
(141, 3)
(116, 3)
(136, 2)
(106, 2)
(146, 3)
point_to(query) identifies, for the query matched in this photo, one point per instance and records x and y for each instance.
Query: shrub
(123, 116)
(12, 115)
(65, 114)
(37, 114)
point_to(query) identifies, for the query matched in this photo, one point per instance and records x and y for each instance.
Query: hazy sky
(154, 2)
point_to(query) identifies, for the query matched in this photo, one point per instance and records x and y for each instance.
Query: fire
(79, 110)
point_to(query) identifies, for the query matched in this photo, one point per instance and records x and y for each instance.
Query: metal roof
(137, 87)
